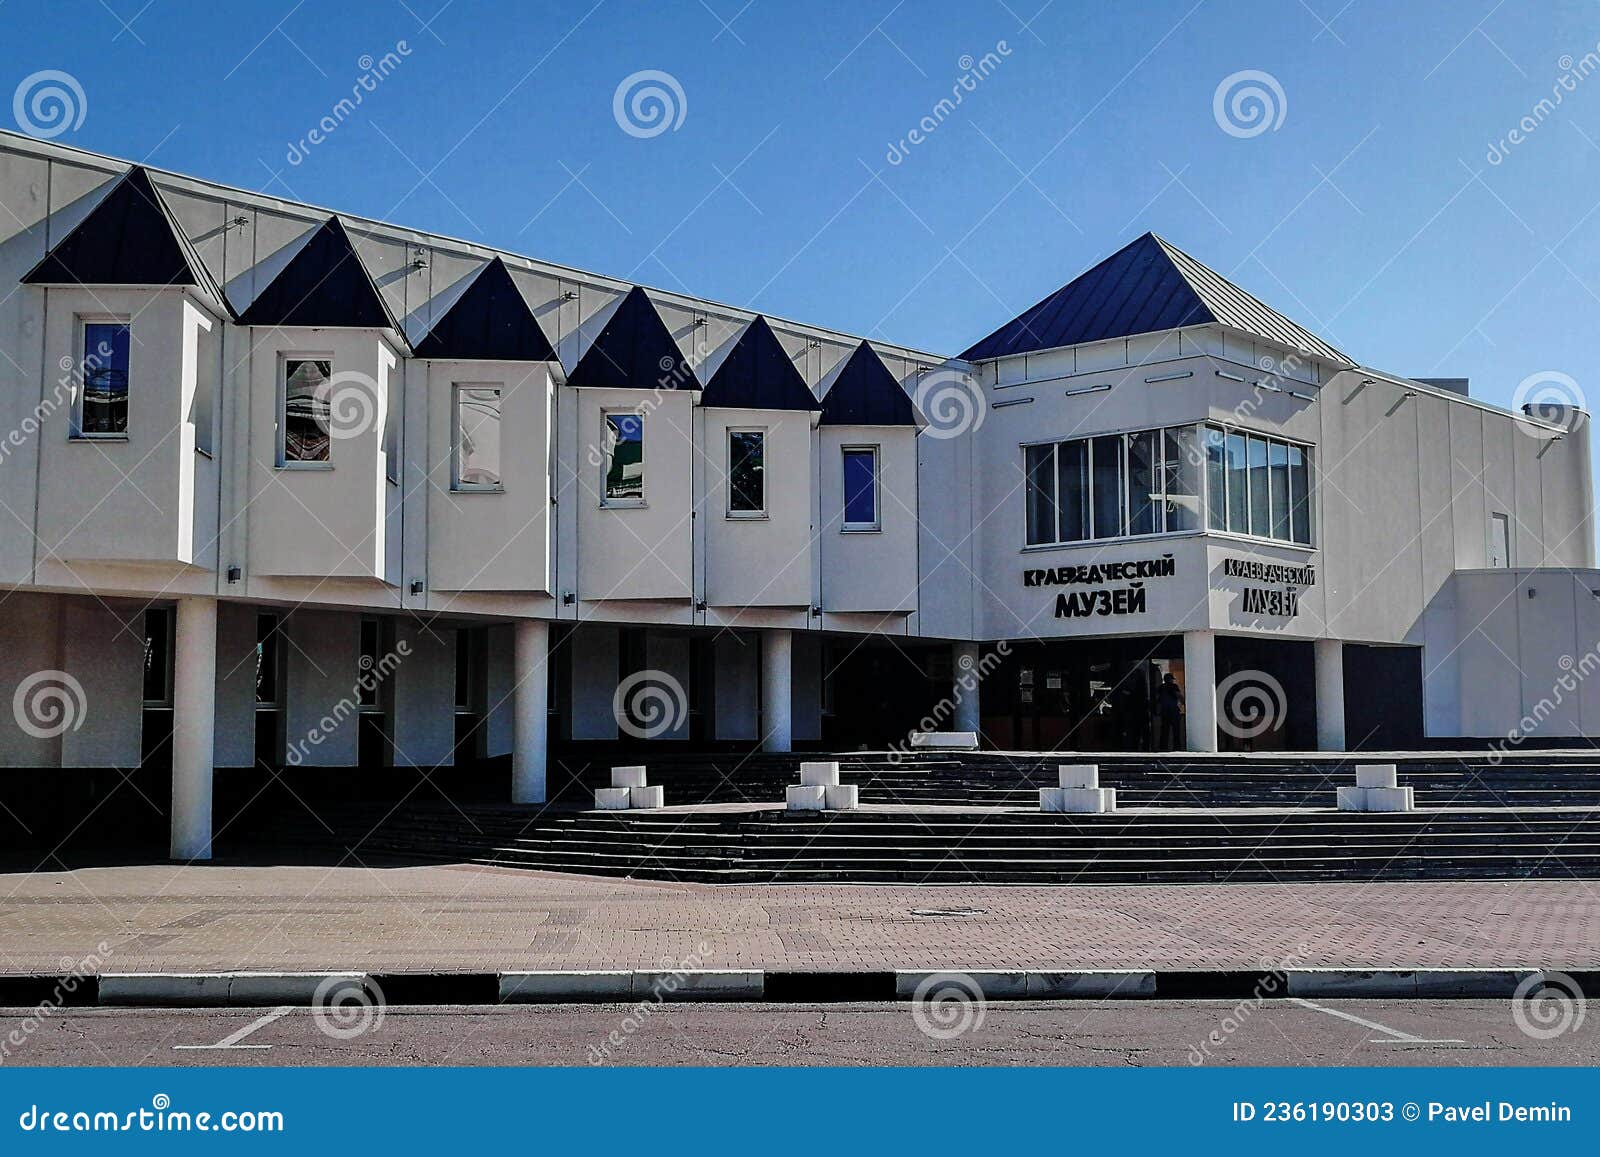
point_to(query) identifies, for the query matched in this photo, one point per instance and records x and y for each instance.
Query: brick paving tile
(465, 917)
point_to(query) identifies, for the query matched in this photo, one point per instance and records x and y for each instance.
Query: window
(1072, 469)
(303, 424)
(1499, 541)
(477, 438)
(158, 658)
(1039, 469)
(747, 484)
(1113, 486)
(624, 460)
(367, 673)
(1180, 481)
(1107, 475)
(268, 688)
(207, 369)
(102, 409)
(1258, 486)
(861, 488)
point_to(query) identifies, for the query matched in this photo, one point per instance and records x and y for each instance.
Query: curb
(625, 986)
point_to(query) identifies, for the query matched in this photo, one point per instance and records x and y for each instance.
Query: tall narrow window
(1238, 484)
(158, 658)
(1216, 479)
(861, 488)
(1299, 494)
(747, 474)
(1038, 464)
(477, 438)
(1260, 497)
(1073, 461)
(1499, 540)
(1181, 479)
(1144, 464)
(1108, 475)
(624, 460)
(103, 406)
(1278, 468)
(303, 424)
(367, 675)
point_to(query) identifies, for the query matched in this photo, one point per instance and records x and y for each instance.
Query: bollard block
(1078, 775)
(819, 774)
(805, 797)
(627, 777)
(646, 797)
(611, 799)
(841, 797)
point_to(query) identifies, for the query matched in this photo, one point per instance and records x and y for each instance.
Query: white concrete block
(946, 740)
(1390, 799)
(612, 799)
(627, 776)
(819, 774)
(1050, 799)
(646, 797)
(1078, 775)
(1088, 800)
(1351, 799)
(841, 797)
(805, 798)
(1377, 775)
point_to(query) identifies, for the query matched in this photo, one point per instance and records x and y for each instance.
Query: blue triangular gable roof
(866, 394)
(634, 351)
(490, 321)
(758, 374)
(129, 238)
(1146, 286)
(324, 286)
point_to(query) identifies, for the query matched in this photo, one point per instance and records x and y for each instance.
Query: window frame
(629, 501)
(1309, 466)
(729, 433)
(282, 413)
(458, 486)
(876, 525)
(80, 337)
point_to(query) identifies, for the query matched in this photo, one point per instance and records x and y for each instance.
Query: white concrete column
(530, 709)
(965, 696)
(1200, 689)
(1330, 694)
(194, 724)
(777, 691)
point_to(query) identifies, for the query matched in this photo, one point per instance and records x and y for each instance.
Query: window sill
(625, 504)
(477, 490)
(308, 467)
(1120, 540)
(97, 438)
(1256, 540)
(747, 516)
(861, 530)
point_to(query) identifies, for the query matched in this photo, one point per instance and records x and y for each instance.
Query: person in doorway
(1169, 710)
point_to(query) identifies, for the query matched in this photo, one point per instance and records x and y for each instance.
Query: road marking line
(231, 1041)
(1396, 1037)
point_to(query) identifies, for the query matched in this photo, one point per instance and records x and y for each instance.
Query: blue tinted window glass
(105, 378)
(860, 488)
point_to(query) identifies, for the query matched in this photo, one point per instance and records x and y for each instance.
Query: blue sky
(1371, 213)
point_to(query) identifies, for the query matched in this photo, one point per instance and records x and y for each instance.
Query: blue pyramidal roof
(490, 321)
(758, 374)
(866, 394)
(325, 286)
(634, 351)
(1146, 286)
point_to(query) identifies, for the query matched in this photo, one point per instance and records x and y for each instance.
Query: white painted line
(231, 1041)
(1396, 1037)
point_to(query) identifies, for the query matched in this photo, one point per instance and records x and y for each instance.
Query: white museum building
(282, 486)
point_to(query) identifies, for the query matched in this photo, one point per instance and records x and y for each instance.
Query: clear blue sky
(1371, 213)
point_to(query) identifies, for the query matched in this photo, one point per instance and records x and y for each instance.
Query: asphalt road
(1177, 1033)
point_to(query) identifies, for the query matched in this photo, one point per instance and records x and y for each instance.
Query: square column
(964, 690)
(777, 691)
(1330, 694)
(1200, 689)
(194, 723)
(530, 709)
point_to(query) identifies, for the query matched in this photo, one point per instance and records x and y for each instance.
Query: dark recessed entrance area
(1266, 694)
(1382, 698)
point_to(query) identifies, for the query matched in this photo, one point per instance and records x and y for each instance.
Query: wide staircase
(1199, 820)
